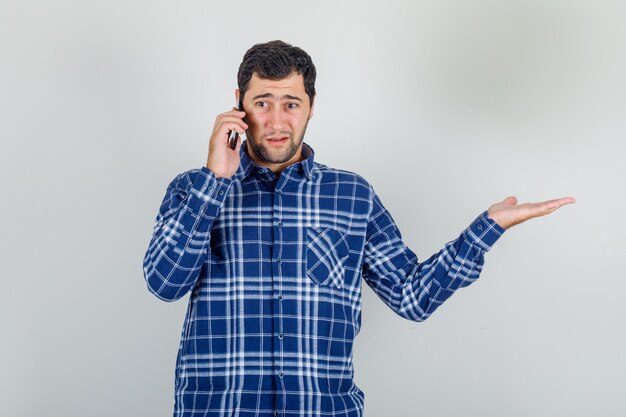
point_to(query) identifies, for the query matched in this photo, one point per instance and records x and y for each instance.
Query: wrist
(216, 172)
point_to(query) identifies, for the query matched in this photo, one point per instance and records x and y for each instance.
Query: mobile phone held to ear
(234, 136)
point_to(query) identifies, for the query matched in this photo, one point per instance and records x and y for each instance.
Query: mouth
(278, 140)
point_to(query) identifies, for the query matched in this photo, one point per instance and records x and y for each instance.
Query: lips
(277, 138)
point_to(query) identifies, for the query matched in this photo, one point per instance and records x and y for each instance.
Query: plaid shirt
(274, 265)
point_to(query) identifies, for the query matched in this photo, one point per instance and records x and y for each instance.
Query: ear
(312, 106)
(236, 95)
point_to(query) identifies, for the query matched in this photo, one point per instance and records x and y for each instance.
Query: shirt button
(210, 188)
(221, 192)
(279, 191)
(280, 375)
(280, 261)
(479, 227)
(280, 335)
(280, 298)
(280, 224)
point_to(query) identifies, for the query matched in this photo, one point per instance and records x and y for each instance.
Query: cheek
(257, 121)
(295, 121)
(254, 123)
(302, 121)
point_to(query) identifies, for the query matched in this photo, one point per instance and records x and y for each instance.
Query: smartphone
(234, 136)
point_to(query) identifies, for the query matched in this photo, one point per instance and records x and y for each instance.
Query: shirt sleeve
(414, 289)
(182, 232)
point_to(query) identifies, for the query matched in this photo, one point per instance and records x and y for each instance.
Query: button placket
(278, 265)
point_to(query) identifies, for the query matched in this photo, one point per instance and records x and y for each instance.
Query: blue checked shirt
(275, 267)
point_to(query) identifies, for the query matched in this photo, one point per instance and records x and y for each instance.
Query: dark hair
(276, 60)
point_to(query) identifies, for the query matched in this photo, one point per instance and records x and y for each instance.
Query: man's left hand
(508, 213)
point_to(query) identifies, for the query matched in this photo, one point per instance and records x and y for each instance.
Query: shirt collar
(305, 168)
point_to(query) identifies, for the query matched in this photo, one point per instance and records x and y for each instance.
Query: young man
(274, 245)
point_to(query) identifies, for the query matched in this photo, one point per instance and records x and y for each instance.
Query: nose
(276, 120)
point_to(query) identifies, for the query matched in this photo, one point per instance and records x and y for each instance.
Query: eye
(292, 105)
(262, 103)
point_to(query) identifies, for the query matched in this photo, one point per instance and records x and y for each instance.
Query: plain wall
(445, 107)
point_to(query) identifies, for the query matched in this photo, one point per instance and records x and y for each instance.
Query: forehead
(293, 85)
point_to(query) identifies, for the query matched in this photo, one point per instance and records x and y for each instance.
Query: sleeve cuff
(483, 232)
(208, 189)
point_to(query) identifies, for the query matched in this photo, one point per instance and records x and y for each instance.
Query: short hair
(276, 60)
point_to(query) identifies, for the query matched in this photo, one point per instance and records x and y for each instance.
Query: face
(277, 113)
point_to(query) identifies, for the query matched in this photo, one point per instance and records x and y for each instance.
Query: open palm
(508, 213)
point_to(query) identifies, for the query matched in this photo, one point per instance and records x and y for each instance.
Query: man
(274, 246)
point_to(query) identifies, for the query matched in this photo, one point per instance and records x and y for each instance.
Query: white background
(444, 106)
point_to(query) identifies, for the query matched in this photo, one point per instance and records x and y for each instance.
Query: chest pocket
(327, 251)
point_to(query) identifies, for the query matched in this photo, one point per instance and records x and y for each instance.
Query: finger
(547, 207)
(241, 129)
(558, 202)
(226, 124)
(567, 200)
(230, 117)
(233, 112)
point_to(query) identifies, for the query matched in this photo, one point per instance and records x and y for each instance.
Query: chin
(274, 154)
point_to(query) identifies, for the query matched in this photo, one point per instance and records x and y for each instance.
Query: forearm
(458, 264)
(414, 289)
(181, 237)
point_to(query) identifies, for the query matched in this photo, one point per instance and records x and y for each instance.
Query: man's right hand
(222, 160)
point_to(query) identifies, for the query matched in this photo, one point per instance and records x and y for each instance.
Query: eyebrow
(283, 97)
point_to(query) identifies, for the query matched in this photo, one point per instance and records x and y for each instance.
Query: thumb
(510, 200)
